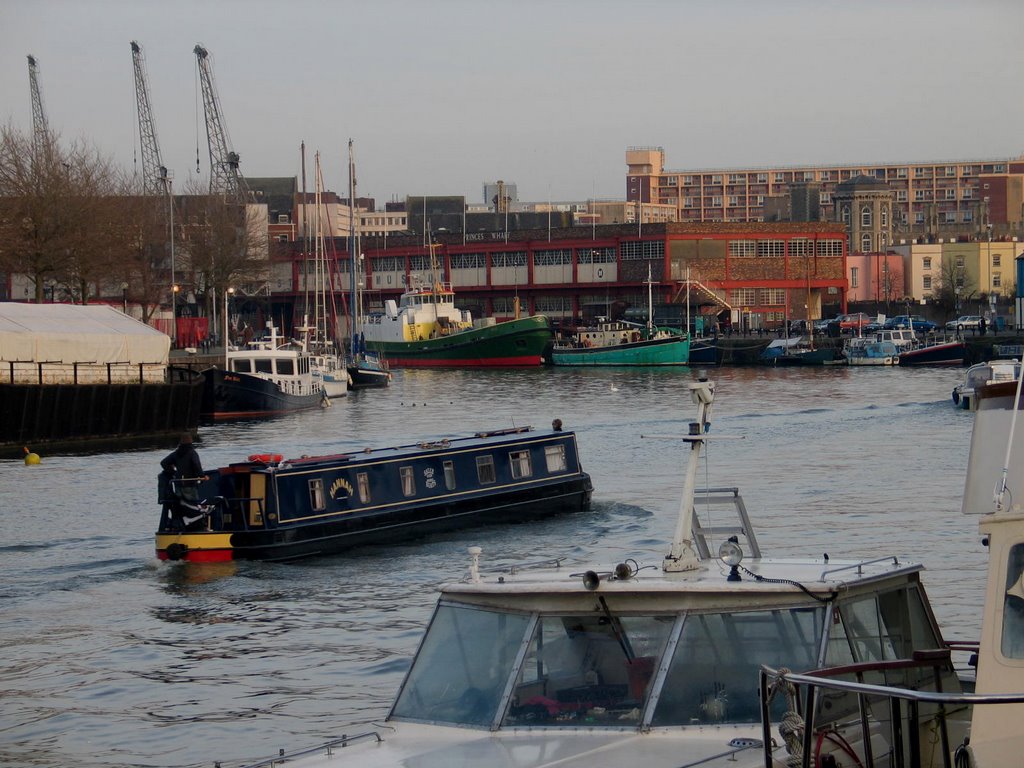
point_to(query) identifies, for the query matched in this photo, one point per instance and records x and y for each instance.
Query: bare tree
(222, 247)
(56, 212)
(955, 287)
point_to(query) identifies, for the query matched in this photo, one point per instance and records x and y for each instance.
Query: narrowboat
(269, 376)
(272, 508)
(654, 659)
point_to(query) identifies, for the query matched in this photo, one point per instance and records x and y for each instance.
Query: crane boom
(225, 178)
(154, 174)
(40, 126)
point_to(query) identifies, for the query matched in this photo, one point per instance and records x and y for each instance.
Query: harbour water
(113, 659)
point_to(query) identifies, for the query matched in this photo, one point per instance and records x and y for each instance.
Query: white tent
(71, 342)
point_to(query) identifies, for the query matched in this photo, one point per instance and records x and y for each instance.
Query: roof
(862, 183)
(73, 333)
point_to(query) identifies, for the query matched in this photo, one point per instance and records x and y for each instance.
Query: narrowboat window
(264, 365)
(554, 455)
(285, 367)
(1013, 605)
(485, 469)
(449, 475)
(588, 670)
(520, 461)
(316, 494)
(408, 481)
(713, 675)
(463, 666)
(363, 483)
(243, 365)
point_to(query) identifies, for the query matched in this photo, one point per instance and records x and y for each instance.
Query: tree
(955, 287)
(57, 210)
(223, 246)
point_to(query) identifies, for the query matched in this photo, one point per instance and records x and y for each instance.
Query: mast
(354, 280)
(650, 303)
(687, 302)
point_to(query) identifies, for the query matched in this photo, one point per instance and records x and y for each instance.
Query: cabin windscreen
(713, 677)
(1012, 645)
(463, 666)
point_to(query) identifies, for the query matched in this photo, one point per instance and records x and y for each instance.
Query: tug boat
(649, 660)
(272, 508)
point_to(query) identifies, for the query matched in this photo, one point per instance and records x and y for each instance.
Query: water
(113, 659)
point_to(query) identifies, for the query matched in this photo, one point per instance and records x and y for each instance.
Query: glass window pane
(286, 367)
(554, 455)
(713, 677)
(449, 475)
(1013, 605)
(485, 469)
(588, 670)
(462, 667)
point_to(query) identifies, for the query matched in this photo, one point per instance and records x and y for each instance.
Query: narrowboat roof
(448, 444)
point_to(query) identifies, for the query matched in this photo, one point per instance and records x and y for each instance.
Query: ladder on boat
(710, 499)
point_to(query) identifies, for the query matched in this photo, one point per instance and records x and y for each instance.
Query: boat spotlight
(731, 554)
(591, 580)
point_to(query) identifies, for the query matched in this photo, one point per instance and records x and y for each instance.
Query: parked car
(964, 323)
(873, 326)
(854, 322)
(821, 326)
(919, 323)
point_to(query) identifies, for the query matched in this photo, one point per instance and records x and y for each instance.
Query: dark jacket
(184, 462)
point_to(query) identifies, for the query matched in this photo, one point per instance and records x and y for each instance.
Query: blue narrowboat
(270, 508)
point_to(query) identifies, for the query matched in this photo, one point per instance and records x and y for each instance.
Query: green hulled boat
(621, 343)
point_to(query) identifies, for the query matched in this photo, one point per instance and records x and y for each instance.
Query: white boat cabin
(287, 364)
(426, 312)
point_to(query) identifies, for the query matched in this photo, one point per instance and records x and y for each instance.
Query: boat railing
(324, 749)
(894, 712)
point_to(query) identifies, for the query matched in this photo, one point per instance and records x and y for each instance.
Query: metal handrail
(327, 749)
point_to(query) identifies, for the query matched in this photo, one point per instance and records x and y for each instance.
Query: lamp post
(124, 298)
(227, 294)
(174, 314)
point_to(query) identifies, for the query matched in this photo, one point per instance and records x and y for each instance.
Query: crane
(154, 173)
(225, 178)
(40, 126)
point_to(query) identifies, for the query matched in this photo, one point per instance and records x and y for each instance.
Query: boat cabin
(635, 649)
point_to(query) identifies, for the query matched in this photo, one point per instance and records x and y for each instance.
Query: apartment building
(930, 194)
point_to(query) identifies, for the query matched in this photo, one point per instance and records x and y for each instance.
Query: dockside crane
(40, 126)
(225, 177)
(154, 173)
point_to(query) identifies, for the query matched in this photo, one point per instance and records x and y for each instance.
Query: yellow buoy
(31, 458)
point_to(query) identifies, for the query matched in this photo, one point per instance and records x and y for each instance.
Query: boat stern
(195, 547)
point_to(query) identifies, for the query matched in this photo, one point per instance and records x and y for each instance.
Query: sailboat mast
(650, 302)
(687, 302)
(352, 245)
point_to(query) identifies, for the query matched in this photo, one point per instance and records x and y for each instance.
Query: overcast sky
(443, 95)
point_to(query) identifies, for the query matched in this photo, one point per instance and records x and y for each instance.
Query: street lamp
(174, 314)
(124, 298)
(227, 294)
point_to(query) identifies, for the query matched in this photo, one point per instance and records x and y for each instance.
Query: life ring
(265, 458)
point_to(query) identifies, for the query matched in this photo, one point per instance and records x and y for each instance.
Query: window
(762, 178)
(926, 262)
(780, 178)
(771, 248)
(485, 469)
(830, 247)
(734, 200)
(865, 242)
(997, 280)
(595, 255)
(742, 248)
(363, 484)
(520, 463)
(1013, 605)
(885, 216)
(951, 194)
(951, 170)
(967, 194)
(241, 366)
(959, 262)
(264, 365)
(744, 296)
(901, 195)
(854, 277)
(846, 214)
(408, 481)
(773, 297)
(901, 173)
(737, 178)
(716, 178)
(716, 201)
(285, 367)
(449, 475)
(637, 250)
(865, 216)
(552, 258)
(800, 246)
(462, 666)
(997, 260)
(554, 457)
(316, 495)
(282, 238)
(926, 282)
(469, 260)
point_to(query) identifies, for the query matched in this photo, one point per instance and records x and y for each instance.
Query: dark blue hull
(951, 353)
(228, 395)
(273, 509)
(703, 352)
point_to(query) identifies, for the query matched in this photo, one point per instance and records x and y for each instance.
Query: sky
(441, 96)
